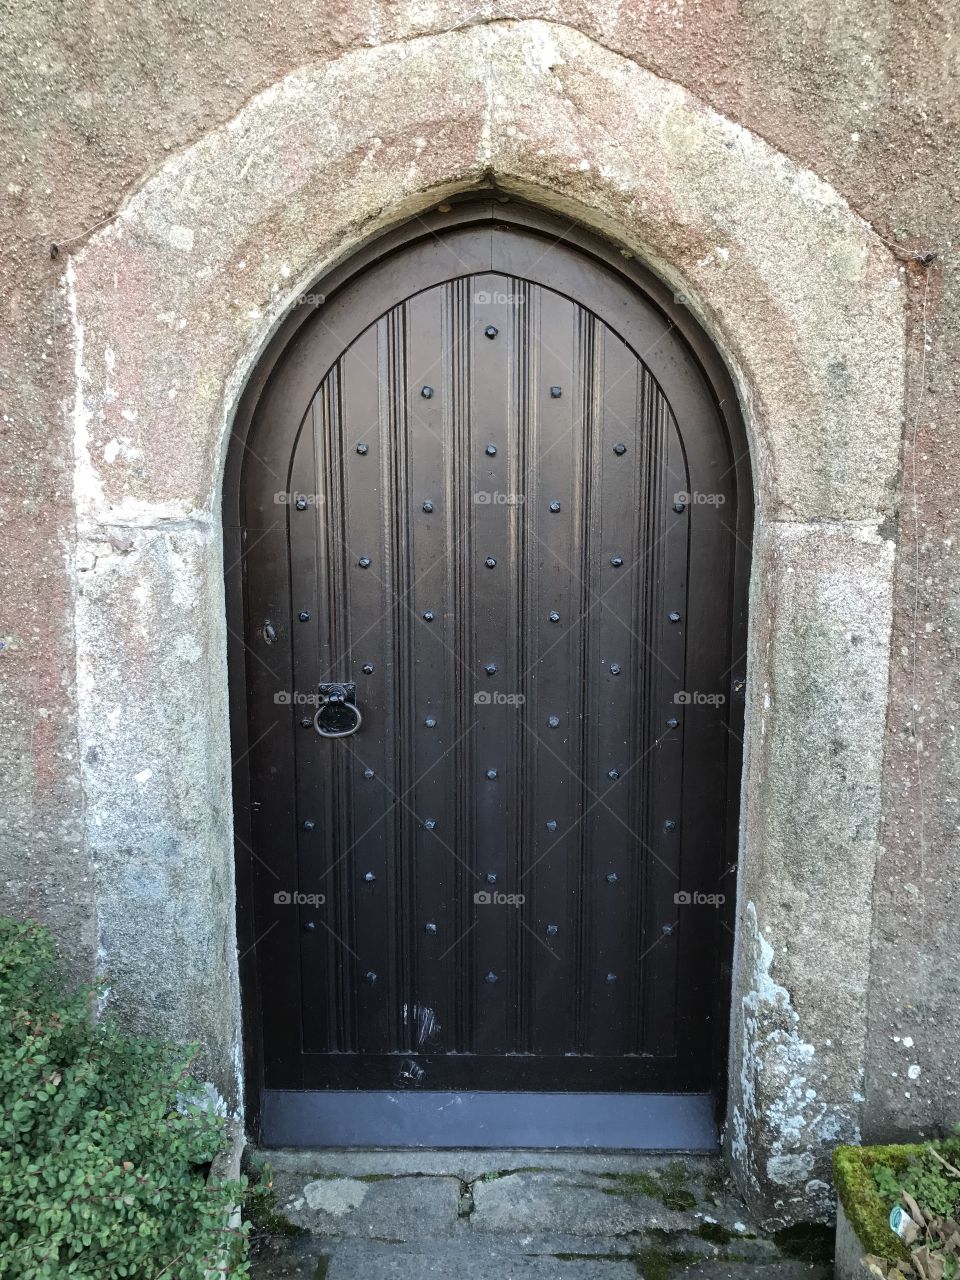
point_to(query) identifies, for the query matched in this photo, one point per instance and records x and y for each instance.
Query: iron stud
(615, 668)
(490, 562)
(364, 562)
(363, 448)
(554, 506)
(491, 774)
(673, 722)
(426, 392)
(369, 877)
(430, 722)
(428, 506)
(613, 774)
(612, 877)
(368, 774)
(490, 977)
(310, 926)
(491, 331)
(619, 450)
(670, 824)
(429, 824)
(553, 721)
(666, 928)
(490, 450)
(616, 561)
(673, 615)
(430, 927)
(301, 503)
(491, 668)
(611, 978)
(309, 824)
(552, 824)
(554, 616)
(306, 722)
(552, 930)
(679, 507)
(367, 668)
(304, 616)
(428, 615)
(369, 977)
(556, 393)
(491, 877)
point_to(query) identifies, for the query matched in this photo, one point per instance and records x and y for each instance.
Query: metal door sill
(563, 1121)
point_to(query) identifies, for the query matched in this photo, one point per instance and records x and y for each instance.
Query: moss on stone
(494, 1174)
(867, 1211)
(669, 1187)
(716, 1183)
(715, 1233)
(661, 1264)
(261, 1208)
(323, 1266)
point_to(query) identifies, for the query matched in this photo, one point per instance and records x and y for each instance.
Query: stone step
(569, 1200)
(374, 1215)
(525, 1258)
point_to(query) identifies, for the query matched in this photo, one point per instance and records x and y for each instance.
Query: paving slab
(580, 1204)
(467, 1259)
(395, 1209)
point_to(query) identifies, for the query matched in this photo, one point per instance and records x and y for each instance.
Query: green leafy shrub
(103, 1160)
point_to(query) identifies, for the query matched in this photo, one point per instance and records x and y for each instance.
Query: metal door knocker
(337, 715)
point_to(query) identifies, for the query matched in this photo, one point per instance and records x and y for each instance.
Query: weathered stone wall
(99, 99)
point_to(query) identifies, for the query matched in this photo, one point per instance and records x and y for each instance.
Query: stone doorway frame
(170, 307)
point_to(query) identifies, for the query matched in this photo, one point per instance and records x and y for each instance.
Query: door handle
(338, 715)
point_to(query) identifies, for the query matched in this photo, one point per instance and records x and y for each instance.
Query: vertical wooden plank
(494, 470)
(429, 909)
(551, 572)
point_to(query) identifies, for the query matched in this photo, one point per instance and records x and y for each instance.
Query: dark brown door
(486, 514)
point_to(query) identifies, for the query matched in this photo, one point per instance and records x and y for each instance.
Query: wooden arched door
(487, 518)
